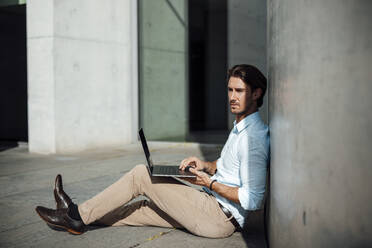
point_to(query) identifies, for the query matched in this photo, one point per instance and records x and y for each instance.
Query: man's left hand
(201, 179)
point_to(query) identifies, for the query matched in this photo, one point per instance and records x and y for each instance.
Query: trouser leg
(140, 213)
(117, 194)
(196, 211)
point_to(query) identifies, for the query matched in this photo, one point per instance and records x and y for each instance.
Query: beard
(238, 109)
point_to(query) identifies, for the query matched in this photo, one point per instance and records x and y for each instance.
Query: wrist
(210, 168)
(211, 184)
(205, 166)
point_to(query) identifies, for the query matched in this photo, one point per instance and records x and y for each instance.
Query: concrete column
(246, 32)
(320, 58)
(79, 74)
(163, 69)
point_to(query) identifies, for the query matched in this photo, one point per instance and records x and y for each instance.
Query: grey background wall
(79, 74)
(320, 58)
(12, 2)
(163, 69)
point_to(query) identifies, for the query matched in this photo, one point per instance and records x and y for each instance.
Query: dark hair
(251, 76)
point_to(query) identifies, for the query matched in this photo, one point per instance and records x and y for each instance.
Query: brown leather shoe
(62, 199)
(59, 218)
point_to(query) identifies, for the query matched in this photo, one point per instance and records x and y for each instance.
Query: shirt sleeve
(253, 164)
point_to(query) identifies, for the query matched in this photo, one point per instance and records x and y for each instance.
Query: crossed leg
(172, 205)
(139, 213)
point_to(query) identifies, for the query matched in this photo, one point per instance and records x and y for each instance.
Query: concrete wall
(79, 74)
(320, 58)
(246, 32)
(163, 68)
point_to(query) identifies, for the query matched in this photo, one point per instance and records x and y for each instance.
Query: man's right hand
(194, 162)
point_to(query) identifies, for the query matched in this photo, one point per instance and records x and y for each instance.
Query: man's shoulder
(258, 130)
(257, 134)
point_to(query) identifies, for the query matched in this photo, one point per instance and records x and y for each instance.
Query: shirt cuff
(243, 198)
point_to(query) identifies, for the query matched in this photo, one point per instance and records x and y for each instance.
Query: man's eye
(230, 89)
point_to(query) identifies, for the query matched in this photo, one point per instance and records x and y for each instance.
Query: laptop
(161, 170)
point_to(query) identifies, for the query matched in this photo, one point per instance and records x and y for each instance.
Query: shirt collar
(245, 122)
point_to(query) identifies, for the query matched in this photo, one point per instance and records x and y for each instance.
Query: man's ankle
(73, 212)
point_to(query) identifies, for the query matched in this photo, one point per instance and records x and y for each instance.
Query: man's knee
(215, 233)
(140, 168)
(140, 172)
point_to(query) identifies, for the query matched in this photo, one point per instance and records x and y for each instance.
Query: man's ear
(257, 93)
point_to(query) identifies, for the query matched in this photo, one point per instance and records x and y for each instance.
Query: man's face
(240, 97)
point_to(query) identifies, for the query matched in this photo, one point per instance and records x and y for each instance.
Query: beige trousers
(172, 204)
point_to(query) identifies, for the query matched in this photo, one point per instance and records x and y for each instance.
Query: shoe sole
(63, 227)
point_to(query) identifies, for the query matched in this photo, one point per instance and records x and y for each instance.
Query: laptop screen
(145, 148)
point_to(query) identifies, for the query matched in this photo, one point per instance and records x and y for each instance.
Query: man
(237, 184)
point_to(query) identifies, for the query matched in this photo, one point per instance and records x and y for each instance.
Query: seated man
(237, 184)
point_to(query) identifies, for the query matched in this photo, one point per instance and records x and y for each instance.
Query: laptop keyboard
(166, 170)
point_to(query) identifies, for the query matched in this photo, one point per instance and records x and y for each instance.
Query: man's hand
(194, 162)
(201, 179)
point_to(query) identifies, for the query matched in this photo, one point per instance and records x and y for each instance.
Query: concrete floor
(26, 180)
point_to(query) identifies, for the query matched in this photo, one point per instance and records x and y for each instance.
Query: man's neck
(238, 117)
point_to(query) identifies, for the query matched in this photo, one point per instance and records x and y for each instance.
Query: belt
(226, 212)
(230, 216)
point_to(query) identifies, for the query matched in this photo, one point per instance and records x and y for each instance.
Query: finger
(194, 171)
(187, 162)
(183, 164)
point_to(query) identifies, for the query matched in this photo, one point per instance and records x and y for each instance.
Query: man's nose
(233, 95)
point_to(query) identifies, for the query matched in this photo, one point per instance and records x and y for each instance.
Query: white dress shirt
(243, 163)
